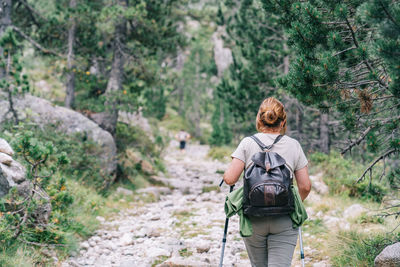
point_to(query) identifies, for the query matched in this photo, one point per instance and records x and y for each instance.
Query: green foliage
(19, 220)
(343, 62)
(340, 175)
(394, 179)
(134, 137)
(373, 191)
(365, 218)
(357, 249)
(220, 153)
(173, 122)
(138, 156)
(89, 91)
(257, 59)
(222, 132)
(12, 79)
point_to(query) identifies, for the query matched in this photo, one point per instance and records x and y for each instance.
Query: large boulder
(66, 120)
(4, 184)
(389, 257)
(12, 174)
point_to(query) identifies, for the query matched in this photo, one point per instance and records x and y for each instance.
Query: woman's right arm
(303, 182)
(232, 174)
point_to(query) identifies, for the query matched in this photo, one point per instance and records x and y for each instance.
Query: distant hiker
(182, 137)
(273, 237)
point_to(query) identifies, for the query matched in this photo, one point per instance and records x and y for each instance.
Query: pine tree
(260, 56)
(258, 59)
(345, 61)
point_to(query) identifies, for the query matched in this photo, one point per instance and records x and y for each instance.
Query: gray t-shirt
(288, 148)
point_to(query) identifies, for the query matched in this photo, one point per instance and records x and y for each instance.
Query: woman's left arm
(232, 174)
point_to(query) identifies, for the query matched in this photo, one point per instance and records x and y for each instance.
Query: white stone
(126, 240)
(390, 256)
(203, 246)
(157, 252)
(123, 191)
(67, 121)
(353, 211)
(128, 263)
(5, 147)
(321, 264)
(100, 219)
(85, 245)
(5, 159)
(92, 243)
(320, 187)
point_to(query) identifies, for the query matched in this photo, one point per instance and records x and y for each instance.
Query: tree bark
(70, 85)
(324, 133)
(5, 22)
(299, 121)
(110, 118)
(285, 59)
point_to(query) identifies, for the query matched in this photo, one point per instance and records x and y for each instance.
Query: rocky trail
(182, 227)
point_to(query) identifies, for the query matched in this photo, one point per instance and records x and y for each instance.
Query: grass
(222, 153)
(160, 259)
(314, 226)
(185, 253)
(341, 173)
(207, 189)
(368, 233)
(359, 249)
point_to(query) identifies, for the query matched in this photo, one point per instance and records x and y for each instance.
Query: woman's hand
(232, 174)
(303, 182)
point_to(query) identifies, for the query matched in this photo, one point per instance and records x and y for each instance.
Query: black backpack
(267, 182)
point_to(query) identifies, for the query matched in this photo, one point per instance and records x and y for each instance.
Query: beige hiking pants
(273, 241)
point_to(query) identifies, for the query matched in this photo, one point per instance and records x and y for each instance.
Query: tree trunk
(5, 22)
(181, 95)
(285, 59)
(70, 86)
(196, 99)
(324, 133)
(110, 116)
(299, 121)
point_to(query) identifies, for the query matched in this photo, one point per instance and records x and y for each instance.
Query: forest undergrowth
(86, 194)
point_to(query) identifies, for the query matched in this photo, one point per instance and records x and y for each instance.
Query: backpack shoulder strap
(262, 145)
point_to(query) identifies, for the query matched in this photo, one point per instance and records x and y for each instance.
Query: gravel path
(181, 226)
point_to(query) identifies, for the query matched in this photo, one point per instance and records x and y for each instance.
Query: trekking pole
(225, 230)
(301, 248)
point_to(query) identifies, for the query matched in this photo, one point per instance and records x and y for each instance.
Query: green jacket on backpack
(233, 205)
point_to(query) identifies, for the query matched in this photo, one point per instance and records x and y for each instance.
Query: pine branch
(353, 35)
(388, 14)
(34, 43)
(32, 10)
(386, 154)
(358, 141)
(344, 51)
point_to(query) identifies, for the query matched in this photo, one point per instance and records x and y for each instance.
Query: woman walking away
(182, 137)
(273, 238)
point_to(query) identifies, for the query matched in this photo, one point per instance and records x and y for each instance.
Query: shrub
(341, 174)
(134, 137)
(220, 153)
(19, 221)
(83, 153)
(358, 249)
